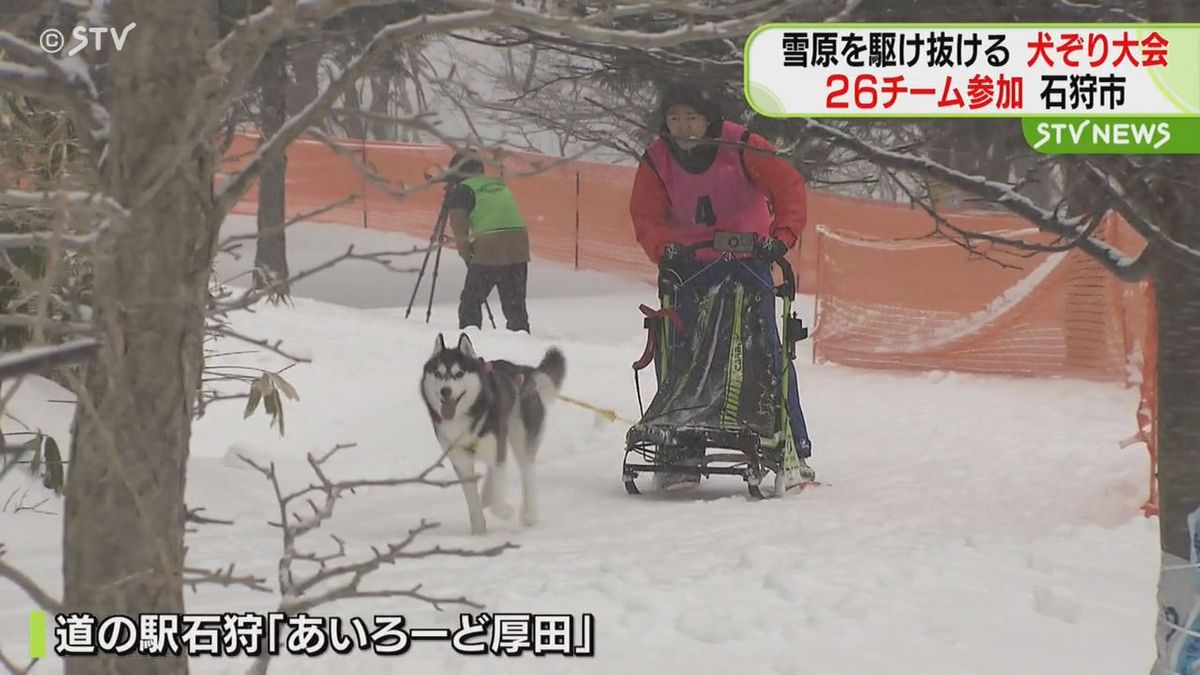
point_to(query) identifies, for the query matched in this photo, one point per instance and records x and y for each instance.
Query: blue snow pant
(754, 273)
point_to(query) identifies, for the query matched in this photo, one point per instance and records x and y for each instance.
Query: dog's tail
(549, 375)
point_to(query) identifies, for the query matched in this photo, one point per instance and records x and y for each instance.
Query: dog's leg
(464, 466)
(499, 473)
(500, 505)
(490, 451)
(488, 484)
(529, 502)
(523, 450)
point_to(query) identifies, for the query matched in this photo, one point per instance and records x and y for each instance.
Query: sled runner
(720, 387)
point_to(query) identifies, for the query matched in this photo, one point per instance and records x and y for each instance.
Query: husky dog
(482, 409)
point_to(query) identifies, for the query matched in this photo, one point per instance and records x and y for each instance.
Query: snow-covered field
(972, 525)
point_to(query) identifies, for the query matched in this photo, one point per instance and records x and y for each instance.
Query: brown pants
(481, 279)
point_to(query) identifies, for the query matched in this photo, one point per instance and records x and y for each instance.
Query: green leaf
(35, 464)
(284, 386)
(252, 404)
(270, 401)
(263, 384)
(54, 467)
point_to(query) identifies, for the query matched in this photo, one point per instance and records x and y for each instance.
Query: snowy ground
(978, 525)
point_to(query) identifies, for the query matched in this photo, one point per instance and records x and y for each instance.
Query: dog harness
(487, 368)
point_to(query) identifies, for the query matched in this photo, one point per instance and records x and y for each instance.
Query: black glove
(674, 255)
(770, 249)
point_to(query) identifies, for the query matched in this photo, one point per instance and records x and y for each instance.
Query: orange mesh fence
(888, 294)
(927, 304)
(1051, 314)
(577, 211)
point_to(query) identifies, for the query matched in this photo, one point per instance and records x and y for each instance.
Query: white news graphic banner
(969, 70)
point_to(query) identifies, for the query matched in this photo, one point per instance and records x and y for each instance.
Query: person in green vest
(491, 238)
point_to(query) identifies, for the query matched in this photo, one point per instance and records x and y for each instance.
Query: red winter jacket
(782, 184)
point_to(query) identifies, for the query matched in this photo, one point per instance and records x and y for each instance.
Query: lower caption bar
(250, 634)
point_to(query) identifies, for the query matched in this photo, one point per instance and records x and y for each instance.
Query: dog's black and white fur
(483, 409)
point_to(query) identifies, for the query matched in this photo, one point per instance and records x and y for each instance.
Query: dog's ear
(464, 346)
(439, 345)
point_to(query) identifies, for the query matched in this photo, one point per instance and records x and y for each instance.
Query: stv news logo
(52, 40)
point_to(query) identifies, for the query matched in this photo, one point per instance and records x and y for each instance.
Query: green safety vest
(495, 209)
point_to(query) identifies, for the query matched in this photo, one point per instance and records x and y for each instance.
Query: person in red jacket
(706, 173)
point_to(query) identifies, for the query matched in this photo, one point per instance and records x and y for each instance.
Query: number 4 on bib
(704, 212)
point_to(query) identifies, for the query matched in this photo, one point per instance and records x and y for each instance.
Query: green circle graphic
(765, 100)
(1179, 81)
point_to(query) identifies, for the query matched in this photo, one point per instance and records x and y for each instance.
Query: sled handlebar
(732, 243)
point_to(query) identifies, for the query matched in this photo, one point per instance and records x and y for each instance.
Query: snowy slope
(980, 525)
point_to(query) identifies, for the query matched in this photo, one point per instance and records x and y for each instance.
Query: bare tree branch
(13, 668)
(254, 295)
(229, 245)
(73, 199)
(273, 347)
(193, 516)
(847, 11)
(292, 129)
(35, 592)
(1124, 267)
(46, 324)
(233, 60)
(1008, 242)
(33, 359)
(1099, 12)
(1153, 234)
(196, 577)
(22, 506)
(344, 581)
(65, 80)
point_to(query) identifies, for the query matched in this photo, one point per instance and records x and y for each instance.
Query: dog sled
(721, 403)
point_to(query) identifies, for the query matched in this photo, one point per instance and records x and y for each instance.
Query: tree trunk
(1169, 197)
(381, 95)
(1178, 301)
(123, 538)
(270, 254)
(305, 56)
(353, 125)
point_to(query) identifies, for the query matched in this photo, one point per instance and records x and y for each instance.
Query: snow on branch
(1152, 233)
(44, 323)
(968, 238)
(233, 60)
(585, 29)
(846, 13)
(690, 8)
(1107, 11)
(62, 201)
(31, 80)
(1123, 266)
(33, 359)
(67, 198)
(66, 80)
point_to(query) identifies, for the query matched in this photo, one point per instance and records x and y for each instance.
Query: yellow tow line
(606, 413)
